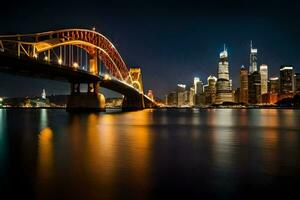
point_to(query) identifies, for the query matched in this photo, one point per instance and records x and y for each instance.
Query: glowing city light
(35, 55)
(107, 77)
(60, 61)
(75, 64)
(46, 58)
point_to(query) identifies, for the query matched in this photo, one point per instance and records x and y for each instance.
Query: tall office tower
(254, 88)
(196, 81)
(210, 90)
(264, 78)
(192, 96)
(274, 85)
(297, 83)
(171, 99)
(286, 79)
(224, 93)
(199, 93)
(253, 59)
(181, 95)
(243, 85)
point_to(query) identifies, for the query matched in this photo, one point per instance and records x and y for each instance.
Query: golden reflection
(139, 144)
(45, 155)
(270, 150)
(288, 119)
(270, 118)
(223, 140)
(114, 144)
(242, 119)
(101, 147)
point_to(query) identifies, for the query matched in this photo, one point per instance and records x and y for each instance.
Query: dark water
(150, 154)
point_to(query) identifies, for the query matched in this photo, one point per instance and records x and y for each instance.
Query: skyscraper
(253, 59)
(254, 88)
(264, 78)
(274, 85)
(224, 93)
(196, 81)
(286, 79)
(210, 90)
(274, 88)
(181, 95)
(243, 85)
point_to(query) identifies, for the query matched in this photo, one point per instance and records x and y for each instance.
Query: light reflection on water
(150, 153)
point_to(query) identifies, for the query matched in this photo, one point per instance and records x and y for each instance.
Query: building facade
(274, 85)
(286, 79)
(224, 93)
(254, 88)
(243, 85)
(263, 70)
(210, 90)
(253, 59)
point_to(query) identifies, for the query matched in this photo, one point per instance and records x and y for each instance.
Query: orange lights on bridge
(59, 61)
(75, 65)
(107, 77)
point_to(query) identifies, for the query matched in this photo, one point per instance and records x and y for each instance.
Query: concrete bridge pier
(133, 102)
(90, 101)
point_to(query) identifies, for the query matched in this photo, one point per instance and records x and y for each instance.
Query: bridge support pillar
(132, 103)
(90, 101)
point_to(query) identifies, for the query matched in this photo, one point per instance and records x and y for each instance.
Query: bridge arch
(91, 41)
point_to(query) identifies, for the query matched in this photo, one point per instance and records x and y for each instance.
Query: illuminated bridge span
(77, 56)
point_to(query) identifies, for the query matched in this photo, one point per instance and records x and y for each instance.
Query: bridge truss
(76, 48)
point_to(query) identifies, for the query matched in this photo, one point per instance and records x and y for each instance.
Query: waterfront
(150, 154)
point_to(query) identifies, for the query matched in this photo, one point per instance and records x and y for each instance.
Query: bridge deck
(33, 68)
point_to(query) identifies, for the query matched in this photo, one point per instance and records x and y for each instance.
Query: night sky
(172, 41)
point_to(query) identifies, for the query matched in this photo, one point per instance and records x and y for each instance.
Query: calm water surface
(150, 154)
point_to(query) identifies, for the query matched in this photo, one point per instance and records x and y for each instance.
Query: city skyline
(181, 43)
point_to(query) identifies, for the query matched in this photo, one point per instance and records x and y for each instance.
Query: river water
(150, 154)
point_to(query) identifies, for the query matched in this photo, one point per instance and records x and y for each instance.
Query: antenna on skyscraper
(251, 44)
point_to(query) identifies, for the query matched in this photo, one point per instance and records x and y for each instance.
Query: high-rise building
(210, 90)
(297, 83)
(286, 79)
(274, 88)
(171, 99)
(199, 93)
(181, 95)
(192, 96)
(254, 88)
(198, 87)
(263, 70)
(243, 85)
(196, 82)
(253, 59)
(274, 85)
(224, 93)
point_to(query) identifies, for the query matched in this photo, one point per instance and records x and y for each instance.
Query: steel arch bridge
(78, 50)
(94, 43)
